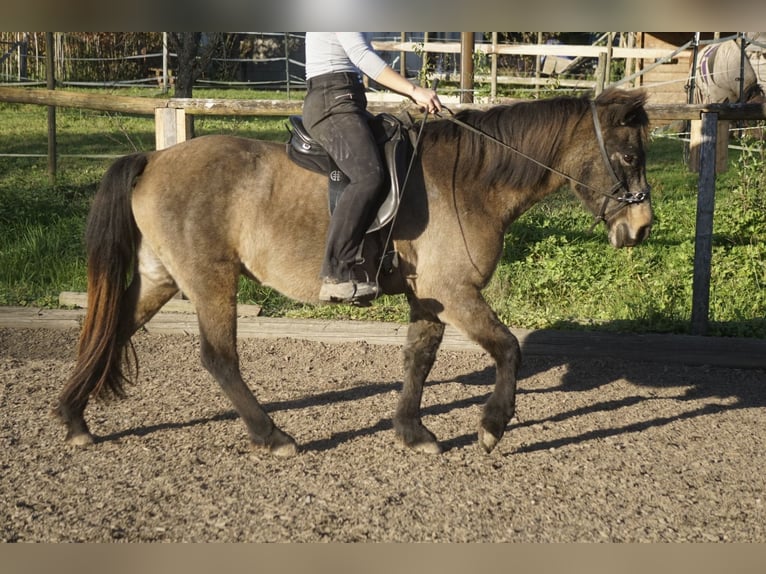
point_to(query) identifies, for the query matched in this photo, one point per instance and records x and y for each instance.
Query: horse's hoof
(80, 439)
(427, 448)
(284, 450)
(277, 444)
(424, 446)
(487, 440)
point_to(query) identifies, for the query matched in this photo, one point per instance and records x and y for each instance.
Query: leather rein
(624, 199)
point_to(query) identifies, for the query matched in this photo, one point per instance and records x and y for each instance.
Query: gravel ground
(601, 450)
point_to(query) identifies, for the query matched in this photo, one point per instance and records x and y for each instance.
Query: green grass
(553, 272)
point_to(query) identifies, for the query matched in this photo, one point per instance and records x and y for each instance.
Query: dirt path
(602, 450)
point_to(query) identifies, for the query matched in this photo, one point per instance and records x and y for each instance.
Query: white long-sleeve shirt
(328, 52)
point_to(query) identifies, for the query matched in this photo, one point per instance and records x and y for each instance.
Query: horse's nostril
(643, 233)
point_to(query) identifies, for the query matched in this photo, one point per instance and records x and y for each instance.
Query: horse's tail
(111, 240)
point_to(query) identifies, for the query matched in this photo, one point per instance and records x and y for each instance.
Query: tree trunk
(186, 46)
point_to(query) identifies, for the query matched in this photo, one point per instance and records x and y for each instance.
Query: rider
(335, 114)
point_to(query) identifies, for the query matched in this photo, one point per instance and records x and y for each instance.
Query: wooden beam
(224, 107)
(749, 111)
(80, 300)
(530, 50)
(67, 99)
(737, 352)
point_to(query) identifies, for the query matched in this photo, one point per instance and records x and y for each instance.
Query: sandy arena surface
(601, 450)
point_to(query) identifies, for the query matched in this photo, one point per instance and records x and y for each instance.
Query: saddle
(393, 135)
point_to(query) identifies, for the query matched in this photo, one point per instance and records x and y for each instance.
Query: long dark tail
(111, 238)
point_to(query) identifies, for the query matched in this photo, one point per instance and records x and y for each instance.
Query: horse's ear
(634, 113)
(625, 108)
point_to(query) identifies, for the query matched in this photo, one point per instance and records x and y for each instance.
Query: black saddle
(394, 138)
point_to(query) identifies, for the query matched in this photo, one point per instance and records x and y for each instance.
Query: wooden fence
(78, 53)
(170, 129)
(554, 54)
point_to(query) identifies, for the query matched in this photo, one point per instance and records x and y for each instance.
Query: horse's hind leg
(424, 336)
(214, 296)
(150, 288)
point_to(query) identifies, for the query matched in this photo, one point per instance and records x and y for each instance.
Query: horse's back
(211, 179)
(214, 159)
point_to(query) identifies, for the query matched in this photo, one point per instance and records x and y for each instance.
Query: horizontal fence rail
(228, 107)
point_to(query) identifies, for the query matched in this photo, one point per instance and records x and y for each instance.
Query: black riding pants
(335, 114)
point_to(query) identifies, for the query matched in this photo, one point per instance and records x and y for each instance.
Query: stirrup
(352, 291)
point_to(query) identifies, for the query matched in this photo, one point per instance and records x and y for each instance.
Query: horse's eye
(628, 158)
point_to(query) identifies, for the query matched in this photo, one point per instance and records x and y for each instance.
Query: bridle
(618, 192)
(626, 198)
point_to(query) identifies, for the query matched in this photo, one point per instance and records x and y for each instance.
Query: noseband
(623, 199)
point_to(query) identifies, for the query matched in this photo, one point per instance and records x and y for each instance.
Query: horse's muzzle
(622, 235)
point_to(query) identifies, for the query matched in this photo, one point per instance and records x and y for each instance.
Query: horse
(196, 215)
(719, 72)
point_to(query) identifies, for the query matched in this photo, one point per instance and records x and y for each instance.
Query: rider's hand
(426, 98)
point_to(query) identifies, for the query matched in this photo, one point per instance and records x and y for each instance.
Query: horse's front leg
(499, 409)
(424, 336)
(471, 314)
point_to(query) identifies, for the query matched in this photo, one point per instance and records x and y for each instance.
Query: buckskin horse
(195, 216)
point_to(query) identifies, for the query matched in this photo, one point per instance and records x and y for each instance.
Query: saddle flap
(392, 136)
(396, 151)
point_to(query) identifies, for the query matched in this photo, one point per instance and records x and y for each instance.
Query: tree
(194, 52)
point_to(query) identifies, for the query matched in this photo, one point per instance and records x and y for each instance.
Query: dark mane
(532, 127)
(754, 94)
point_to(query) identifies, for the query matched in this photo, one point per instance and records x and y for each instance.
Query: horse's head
(614, 166)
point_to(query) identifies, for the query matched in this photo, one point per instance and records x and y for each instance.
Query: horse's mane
(755, 94)
(535, 128)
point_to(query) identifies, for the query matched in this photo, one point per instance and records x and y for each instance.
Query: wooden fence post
(170, 129)
(703, 243)
(466, 67)
(493, 72)
(538, 66)
(722, 145)
(600, 74)
(169, 126)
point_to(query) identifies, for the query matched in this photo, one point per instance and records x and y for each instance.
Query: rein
(624, 200)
